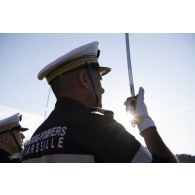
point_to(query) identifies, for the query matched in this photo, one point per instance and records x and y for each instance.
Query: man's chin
(99, 105)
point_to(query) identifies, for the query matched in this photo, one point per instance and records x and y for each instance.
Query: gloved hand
(138, 109)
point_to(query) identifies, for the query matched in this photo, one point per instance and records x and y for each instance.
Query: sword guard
(133, 124)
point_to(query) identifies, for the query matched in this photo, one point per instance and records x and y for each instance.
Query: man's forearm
(156, 145)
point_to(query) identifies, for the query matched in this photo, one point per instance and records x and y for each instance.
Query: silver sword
(131, 84)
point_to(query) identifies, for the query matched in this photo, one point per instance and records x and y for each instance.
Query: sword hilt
(131, 107)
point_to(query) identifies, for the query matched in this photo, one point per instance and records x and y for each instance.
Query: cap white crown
(88, 49)
(10, 122)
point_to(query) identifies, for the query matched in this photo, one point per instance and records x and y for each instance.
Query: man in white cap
(11, 138)
(78, 130)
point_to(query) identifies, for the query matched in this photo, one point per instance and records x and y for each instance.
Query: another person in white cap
(11, 138)
(78, 130)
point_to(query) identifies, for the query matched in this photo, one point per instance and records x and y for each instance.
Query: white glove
(140, 113)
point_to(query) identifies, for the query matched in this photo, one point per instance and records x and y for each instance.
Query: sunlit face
(99, 89)
(19, 137)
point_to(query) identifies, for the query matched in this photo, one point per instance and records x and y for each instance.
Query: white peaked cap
(83, 55)
(11, 122)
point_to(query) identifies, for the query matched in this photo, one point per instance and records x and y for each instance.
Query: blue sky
(164, 64)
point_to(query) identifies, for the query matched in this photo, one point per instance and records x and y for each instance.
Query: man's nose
(22, 135)
(102, 90)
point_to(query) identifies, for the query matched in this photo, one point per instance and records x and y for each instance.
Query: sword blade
(130, 73)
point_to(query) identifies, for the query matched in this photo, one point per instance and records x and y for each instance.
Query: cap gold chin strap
(19, 148)
(93, 85)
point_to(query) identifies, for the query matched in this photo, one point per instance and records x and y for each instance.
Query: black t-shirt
(72, 133)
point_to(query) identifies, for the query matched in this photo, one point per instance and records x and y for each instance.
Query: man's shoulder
(105, 121)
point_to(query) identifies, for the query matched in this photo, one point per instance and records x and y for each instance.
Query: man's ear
(84, 79)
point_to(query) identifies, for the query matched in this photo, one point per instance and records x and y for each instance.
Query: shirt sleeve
(109, 142)
(118, 145)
